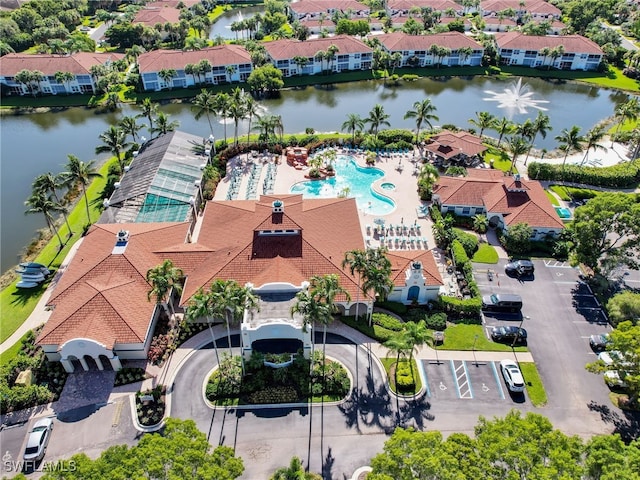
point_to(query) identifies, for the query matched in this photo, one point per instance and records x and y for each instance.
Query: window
(466, 210)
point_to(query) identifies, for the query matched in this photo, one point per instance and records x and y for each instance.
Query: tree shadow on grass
(22, 296)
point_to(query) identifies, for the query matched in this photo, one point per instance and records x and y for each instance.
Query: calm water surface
(39, 143)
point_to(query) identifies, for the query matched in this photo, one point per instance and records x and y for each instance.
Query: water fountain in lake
(516, 98)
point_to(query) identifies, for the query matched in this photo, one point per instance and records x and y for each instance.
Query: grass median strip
(470, 337)
(532, 379)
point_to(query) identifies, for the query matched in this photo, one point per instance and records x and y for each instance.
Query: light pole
(475, 360)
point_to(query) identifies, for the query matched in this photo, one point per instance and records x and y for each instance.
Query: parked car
(38, 440)
(512, 376)
(599, 342)
(509, 334)
(504, 302)
(613, 380)
(520, 268)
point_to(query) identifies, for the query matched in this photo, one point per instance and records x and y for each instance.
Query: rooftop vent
(516, 177)
(122, 239)
(277, 206)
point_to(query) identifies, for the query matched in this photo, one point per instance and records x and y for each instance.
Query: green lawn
(552, 198)
(10, 354)
(463, 337)
(501, 160)
(17, 304)
(532, 379)
(486, 254)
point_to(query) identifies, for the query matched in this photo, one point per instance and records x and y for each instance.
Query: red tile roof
(401, 261)
(571, 43)
(399, 41)
(153, 14)
(518, 201)
(448, 144)
(285, 49)
(436, 5)
(79, 63)
(230, 230)
(539, 7)
(218, 56)
(303, 7)
(102, 295)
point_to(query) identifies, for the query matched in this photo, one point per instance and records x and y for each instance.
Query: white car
(38, 440)
(612, 378)
(512, 375)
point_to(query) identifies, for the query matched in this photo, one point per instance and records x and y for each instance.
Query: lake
(37, 143)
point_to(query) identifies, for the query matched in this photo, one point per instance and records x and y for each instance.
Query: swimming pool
(388, 186)
(357, 179)
(563, 213)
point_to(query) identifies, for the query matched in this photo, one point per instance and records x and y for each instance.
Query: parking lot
(473, 381)
(559, 313)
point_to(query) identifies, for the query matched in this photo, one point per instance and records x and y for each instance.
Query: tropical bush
(465, 307)
(387, 321)
(436, 321)
(395, 307)
(151, 412)
(468, 240)
(621, 175)
(404, 376)
(48, 379)
(128, 375)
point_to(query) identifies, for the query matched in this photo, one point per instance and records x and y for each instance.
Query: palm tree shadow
(414, 413)
(22, 296)
(369, 405)
(327, 464)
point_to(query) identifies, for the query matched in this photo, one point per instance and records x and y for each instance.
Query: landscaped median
(533, 382)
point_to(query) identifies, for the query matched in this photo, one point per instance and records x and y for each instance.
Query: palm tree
(64, 78)
(326, 288)
(231, 300)
(251, 110)
(200, 306)
(166, 75)
(130, 126)
(417, 334)
(377, 275)
(502, 127)
(149, 111)
(163, 125)
(480, 223)
(400, 345)
(541, 125)
(311, 309)
(570, 141)
(517, 145)
(377, 117)
(50, 183)
(353, 124)
(426, 180)
(629, 110)
(114, 140)
(357, 262)
(222, 101)
(39, 203)
(295, 471)
(164, 279)
(483, 121)
(236, 112)
(423, 113)
(83, 173)
(592, 139)
(204, 104)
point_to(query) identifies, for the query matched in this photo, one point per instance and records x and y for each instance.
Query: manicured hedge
(387, 321)
(459, 254)
(395, 307)
(621, 175)
(469, 307)
(468, 240)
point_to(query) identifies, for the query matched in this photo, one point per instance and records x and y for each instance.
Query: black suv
(519, 268)
(509, 334)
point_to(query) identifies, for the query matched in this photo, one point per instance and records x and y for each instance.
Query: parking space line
(495, 375)
(462, 380)
(426, 379)
(464, 364)
(453, 372)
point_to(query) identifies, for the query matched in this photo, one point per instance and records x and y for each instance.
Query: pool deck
(405, 195)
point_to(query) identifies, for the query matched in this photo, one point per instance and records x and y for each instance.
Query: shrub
(404, 376)
(387, 321)
(621, 175)
(467, 307)
(437, 321)
(459, 254)
(468, 240)
(395, 307)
